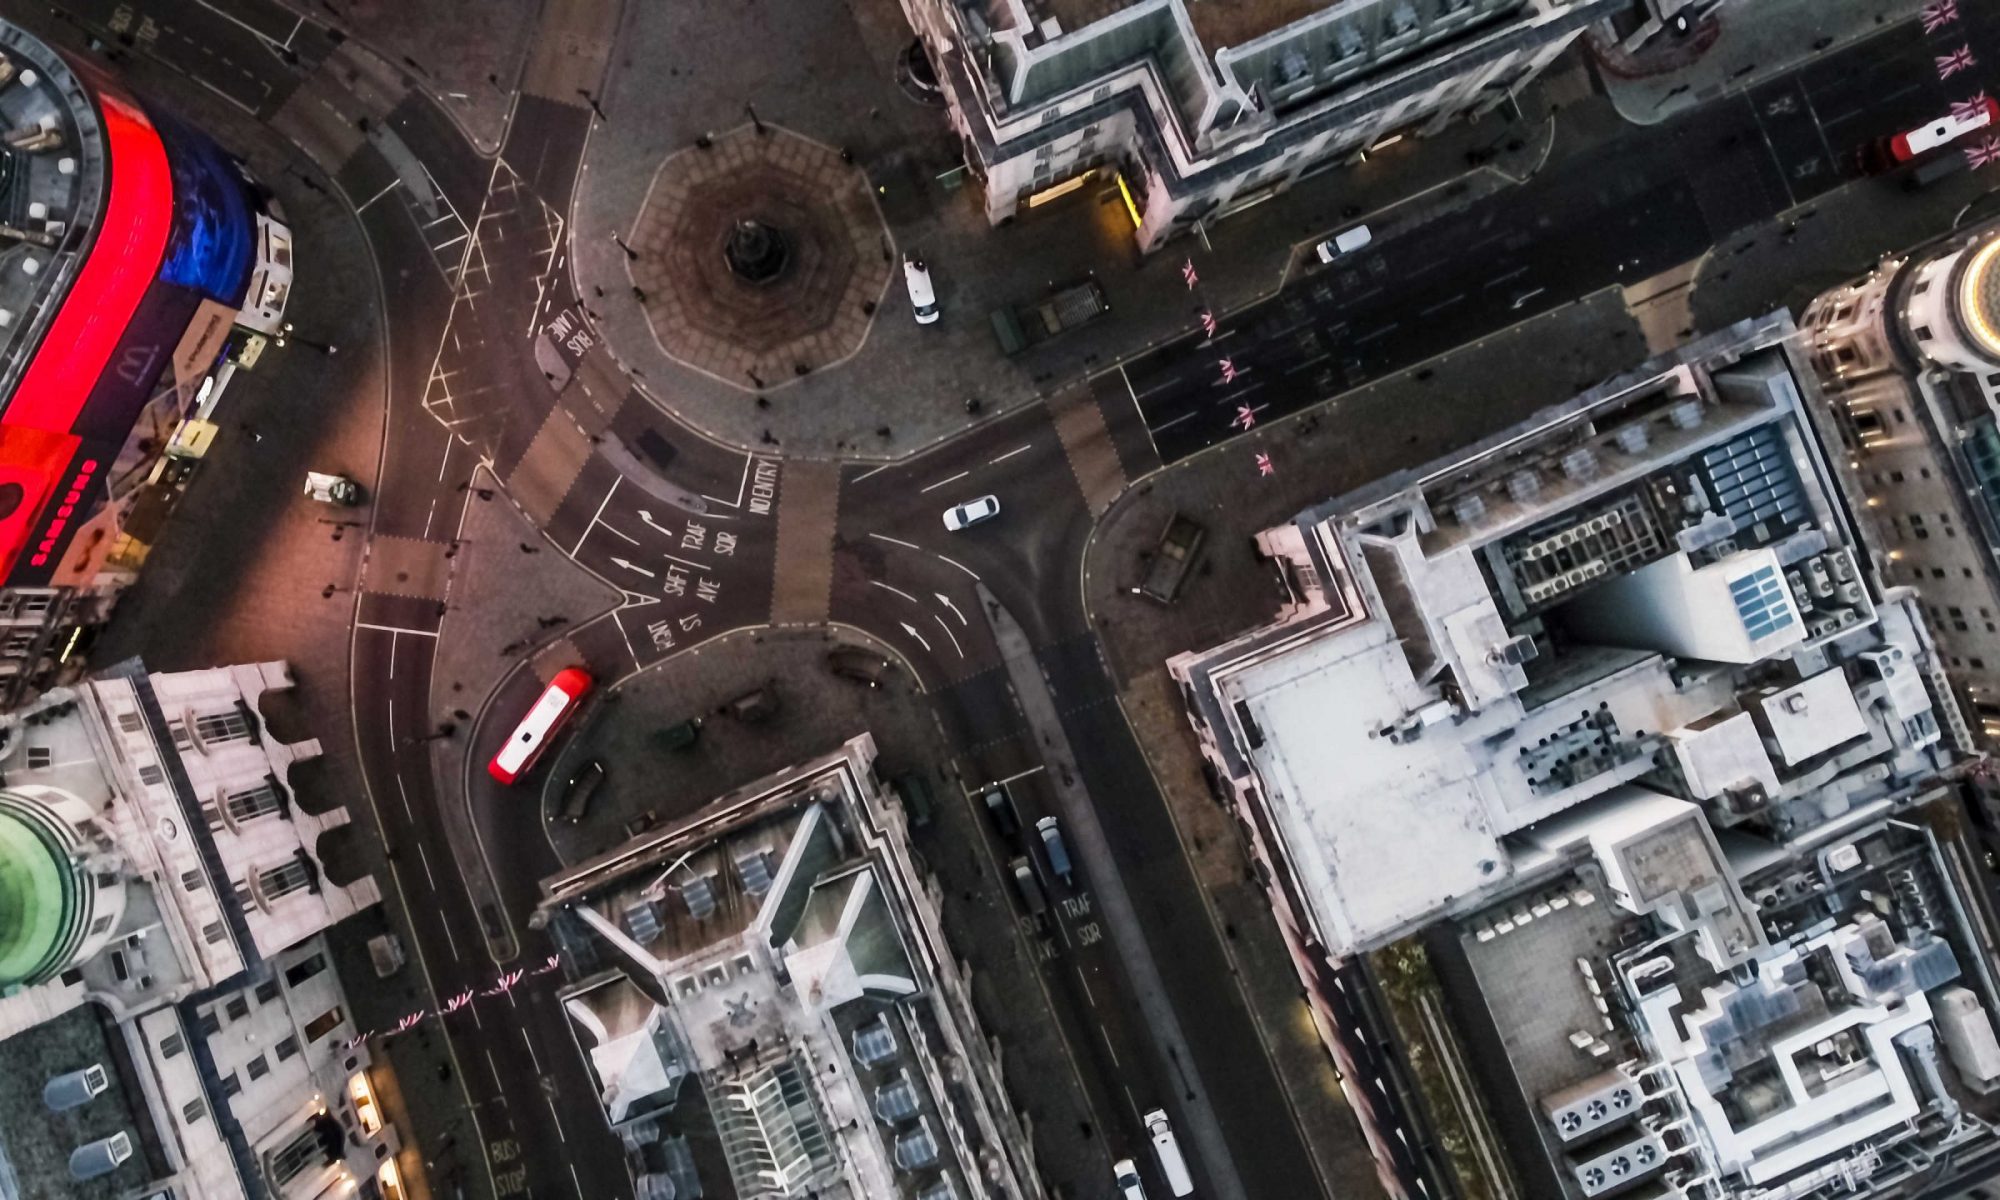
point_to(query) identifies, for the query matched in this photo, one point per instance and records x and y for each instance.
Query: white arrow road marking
(634, 567)
(946, 601)
(948, 633)
(912, 631)
(648, 519)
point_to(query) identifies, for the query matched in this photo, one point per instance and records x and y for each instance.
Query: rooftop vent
(641, 921)
(1523, 486)
(101, 1157)
(754, 869)
(1685, 415)
(699, 896)
(1580, 465)
(1633, 439)
(1469, 508)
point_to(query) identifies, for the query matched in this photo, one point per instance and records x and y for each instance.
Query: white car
(971, 513)
(1345, 242)
(1127, 1176)
(923, 298)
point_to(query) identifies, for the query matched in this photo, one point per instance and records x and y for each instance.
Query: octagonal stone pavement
(754, 336)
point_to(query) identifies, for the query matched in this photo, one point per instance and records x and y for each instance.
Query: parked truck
(1021, 326)
(1173, 558)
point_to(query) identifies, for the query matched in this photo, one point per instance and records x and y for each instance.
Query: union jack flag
(1188, 273)
(1938, 15)
(1965, 110)
(1264, 466)
(1208, 322)
(505, 983)
(459, 1001)
(554, 963)
(1985, 154)
(1228, 371)
(1246, 417)
(1958, 60)
(410, 1022)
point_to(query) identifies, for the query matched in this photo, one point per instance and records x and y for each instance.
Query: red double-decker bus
(525, 744)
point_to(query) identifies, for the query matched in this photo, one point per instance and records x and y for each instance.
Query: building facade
(769, 1008)
(160, 864)
(142, 268)
(1588, 742)
(1200, 110)
(1908, 359)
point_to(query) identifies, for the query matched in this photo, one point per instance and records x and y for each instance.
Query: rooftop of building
(1613, 1032)
(1650, 583)
(1979, 295)
(51, 185)
(36, 1144)
(756, 1012)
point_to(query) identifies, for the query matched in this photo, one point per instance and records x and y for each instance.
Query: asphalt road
(1655, 197)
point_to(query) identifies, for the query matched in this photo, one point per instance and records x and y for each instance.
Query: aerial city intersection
(1027, 600)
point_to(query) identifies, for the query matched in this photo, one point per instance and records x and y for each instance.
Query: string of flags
(1938, 15)
(1246, 416)
(503, 984)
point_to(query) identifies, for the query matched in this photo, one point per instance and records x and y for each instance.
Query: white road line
(1516, 273)
(442, 460)
(873, 471)
(883, 537)
(452, 942)
(377, 196)
(608, 527)
(1128, 391)
(892, 588)
(560, 1135)
(405, 793)
(1170, 424)
(1385, 331)
(689, 563)
(1009, 779)
(1441, 305)
(961, 566)
(393, 640)
(529, 1043)
(396, 629)
(940, 483)
(427, 866)
(600, 512)
(948, 633)
(1010, 454)
(392, 724)
(579, 1182)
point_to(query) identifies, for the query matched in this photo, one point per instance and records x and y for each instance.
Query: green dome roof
(38, 900)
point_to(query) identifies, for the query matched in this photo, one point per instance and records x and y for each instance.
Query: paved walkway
(1756, 40)
(694, 83)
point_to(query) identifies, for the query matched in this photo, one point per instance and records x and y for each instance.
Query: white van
(1345, 242)
(1168, 1151)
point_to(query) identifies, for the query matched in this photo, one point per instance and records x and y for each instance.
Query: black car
(1000, 808)
(858, 666)
(581, 787)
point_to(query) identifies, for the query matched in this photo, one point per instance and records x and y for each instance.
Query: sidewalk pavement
(694, 82)
(466, 54)
(1400, 421)
(816, 712)
(1755, 40)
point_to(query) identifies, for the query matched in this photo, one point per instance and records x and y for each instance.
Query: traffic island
(758, 257)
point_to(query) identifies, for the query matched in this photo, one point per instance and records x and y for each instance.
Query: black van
(577, 793)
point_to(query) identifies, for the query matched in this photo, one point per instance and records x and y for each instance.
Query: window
(323, 1024)
(252, 802)
(237, 1008)
(40, 757)
(284, 879)
(193, 1111)
(221, 727)
(151, 775)
(1977, 664)
(296, 1155)
(257, 1068)
(1923, 333)
(101, 924)
(193, 880)
(130, 722)
(177, 730)
(1923, 285)
(172, 1045)
(213, 932)
(207, 1024)
(287, 1047)
(304, 969)
(267, 991)
(231, 1085)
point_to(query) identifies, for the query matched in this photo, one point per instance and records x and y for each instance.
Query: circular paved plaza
(759, 333)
